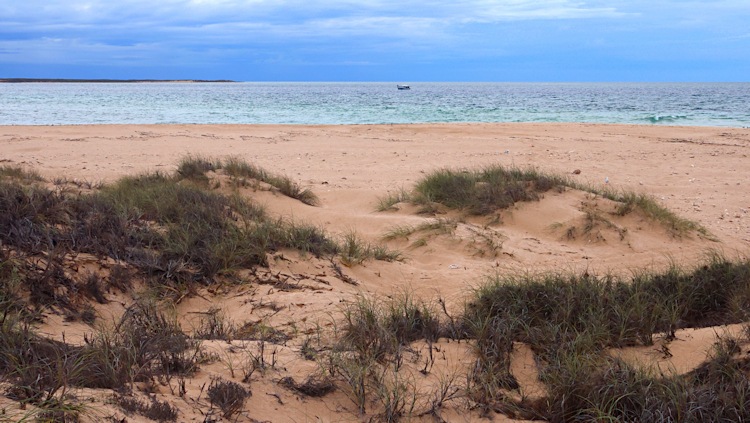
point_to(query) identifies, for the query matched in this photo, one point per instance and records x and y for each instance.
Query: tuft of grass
(398, 232)
(31, 216)
(603, 388)
(646, 204)
(490, 376)
(432, 226)
(355, 372)
(484, 191)
(376, 329)
(18, 173)
(615, 311)
(43, 372)
(199, 225)
(389, 201)
(396, 393)
(146, 343)
(238, 168)
(215, 325)
(355, 251)
(228, 396)
(292, 189)
(194, 168)
(383, 253)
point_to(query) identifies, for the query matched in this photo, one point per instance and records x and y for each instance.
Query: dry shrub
(228, 396)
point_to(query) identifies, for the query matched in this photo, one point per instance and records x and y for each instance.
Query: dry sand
(702, 174)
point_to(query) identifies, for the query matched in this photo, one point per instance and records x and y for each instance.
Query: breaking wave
(665, 119)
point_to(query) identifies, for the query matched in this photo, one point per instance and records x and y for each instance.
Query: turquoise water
(708, 104)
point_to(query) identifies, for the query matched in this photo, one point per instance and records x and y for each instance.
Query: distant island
(25, 80)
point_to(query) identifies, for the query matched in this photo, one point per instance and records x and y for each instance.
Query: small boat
(403, 87)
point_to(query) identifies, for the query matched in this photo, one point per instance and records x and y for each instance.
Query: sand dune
(702, 174)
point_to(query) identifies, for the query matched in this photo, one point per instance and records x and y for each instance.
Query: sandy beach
(700, 173)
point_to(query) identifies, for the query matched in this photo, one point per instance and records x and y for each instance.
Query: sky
(377, 40)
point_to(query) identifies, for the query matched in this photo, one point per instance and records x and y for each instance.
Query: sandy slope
(701, 173)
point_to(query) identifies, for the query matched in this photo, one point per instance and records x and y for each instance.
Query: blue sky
(377, 40)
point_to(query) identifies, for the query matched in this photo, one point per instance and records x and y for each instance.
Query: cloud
(267, 21)
(214, 33)
(36, 12)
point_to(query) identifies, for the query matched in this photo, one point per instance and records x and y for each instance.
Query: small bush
(160, 411)
(376, 329)
(314, 386)
(228, 396)
(214, 325)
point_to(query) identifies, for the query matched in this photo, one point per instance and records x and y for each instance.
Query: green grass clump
(614, 311)
(200, 228)
(237, 168)
(493, 188)
(570, 322)
(355, 251)
(42, 372)
(604, 388)
(630, 201)
(171, 233)
(428, 228)
(195, 167)
(484, 191)
(391, 199)
(376, 335)
(19, 174)
(375, 328)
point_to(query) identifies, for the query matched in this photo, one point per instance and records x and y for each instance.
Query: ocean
(704, 104)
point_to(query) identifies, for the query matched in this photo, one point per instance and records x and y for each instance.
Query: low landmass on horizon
(27, 80)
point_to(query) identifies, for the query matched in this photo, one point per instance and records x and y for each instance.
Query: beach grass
(486, 190)
(389, 201)
(177, 232)
(354, 250)
(646, 204)
(494, 188)
(571, 323)
(172, 230)
(238, 168)
(20, 174)
(195, 168)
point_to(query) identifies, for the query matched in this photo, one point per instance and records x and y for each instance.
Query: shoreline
(415, 124)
